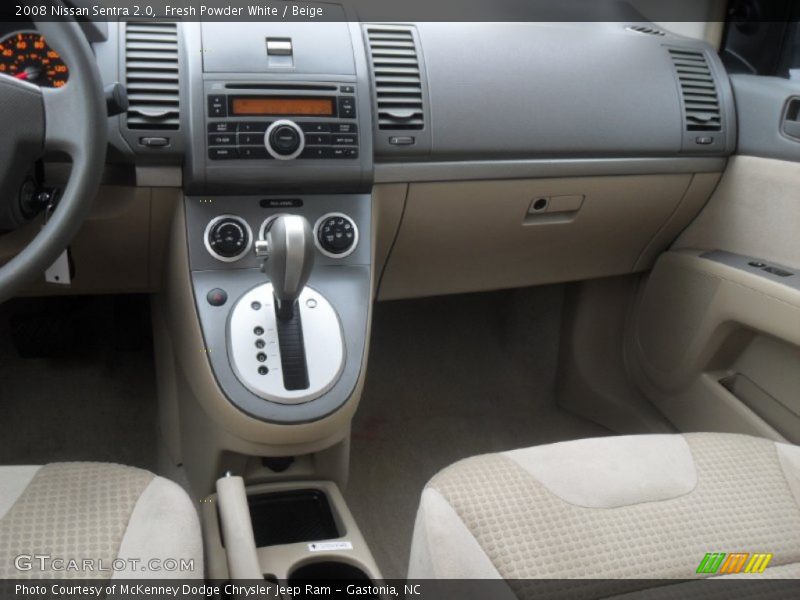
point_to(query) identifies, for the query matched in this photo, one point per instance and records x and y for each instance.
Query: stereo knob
(284, 140)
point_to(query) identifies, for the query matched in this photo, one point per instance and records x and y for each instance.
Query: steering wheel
(71, 119)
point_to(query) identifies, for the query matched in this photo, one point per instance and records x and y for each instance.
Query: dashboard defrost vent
(397, 78)
(701, 107)
(646, 29)
(151, 75)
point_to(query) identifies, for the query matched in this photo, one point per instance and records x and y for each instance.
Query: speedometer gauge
(25, 55)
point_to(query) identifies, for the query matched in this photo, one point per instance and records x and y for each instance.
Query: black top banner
(397, 10)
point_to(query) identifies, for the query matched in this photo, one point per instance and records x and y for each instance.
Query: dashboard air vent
(646, 29)
(701, 105)
(397, 78)
(151, 75)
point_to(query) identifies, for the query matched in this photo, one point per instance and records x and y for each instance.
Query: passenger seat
(649, 506)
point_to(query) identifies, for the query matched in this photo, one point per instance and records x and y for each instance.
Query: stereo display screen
(249, 106)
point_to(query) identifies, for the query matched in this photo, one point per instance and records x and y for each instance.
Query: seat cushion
(621, 507)
(126, 522)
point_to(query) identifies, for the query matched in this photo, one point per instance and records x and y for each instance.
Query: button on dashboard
(253, 152)
(345, 153)
(347, 107)
(317, 152)
(344, 128)
(253, 126)
(318, 139)
(221, 127)
(251, 139)
(315, 127)
(344, 140)
(224, 153)
(222, 139)
(217, 106)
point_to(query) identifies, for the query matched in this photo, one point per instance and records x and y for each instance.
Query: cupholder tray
(291, 517)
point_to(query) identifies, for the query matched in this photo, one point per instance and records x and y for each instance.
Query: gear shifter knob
(290, 257)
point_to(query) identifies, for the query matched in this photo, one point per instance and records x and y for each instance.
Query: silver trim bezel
(247, 247)
(316, 235)
(262, 231)
(271, 150)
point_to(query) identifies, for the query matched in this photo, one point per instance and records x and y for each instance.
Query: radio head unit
(282, 122)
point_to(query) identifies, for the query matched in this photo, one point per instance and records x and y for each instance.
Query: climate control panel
(229, 238)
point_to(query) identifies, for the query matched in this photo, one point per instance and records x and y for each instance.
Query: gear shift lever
(288, 250)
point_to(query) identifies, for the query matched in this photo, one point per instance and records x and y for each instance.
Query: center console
(264, 323)
(262, 330)
(278, 370)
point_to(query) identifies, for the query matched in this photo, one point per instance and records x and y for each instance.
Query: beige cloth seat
(646, 506)
(126, 522)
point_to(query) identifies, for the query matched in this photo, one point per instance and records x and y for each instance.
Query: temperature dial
(228, 238)
(336, 235)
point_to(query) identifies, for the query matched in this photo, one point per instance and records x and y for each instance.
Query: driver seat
(96, 521)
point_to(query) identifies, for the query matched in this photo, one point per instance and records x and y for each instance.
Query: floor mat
(449, 378)
(78, 381)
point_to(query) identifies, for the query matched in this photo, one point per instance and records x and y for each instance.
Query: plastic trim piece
(408, 172)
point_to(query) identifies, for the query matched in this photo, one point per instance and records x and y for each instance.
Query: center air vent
(397, 78)
(151, 75)
(701, 107)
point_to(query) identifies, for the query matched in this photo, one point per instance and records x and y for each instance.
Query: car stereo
(282, 122)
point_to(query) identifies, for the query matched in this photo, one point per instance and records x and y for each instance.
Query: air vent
(397, 78)
(645, 29)
(151, 75)
(700, 100)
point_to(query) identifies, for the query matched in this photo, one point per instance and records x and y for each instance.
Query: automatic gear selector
(288, 250)
(285, 339)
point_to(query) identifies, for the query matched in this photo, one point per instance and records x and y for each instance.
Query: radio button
(345, 153)
(284, 139)
(253, 152)
(344, 128)
(217, 106)
(315, 127)
(348, 89)
(347, 107)
(317, 152)
(344, 140)
(253, 126)
(221, 127)
(222, 139)
(222, 153)
(318, 139)
(246, 139)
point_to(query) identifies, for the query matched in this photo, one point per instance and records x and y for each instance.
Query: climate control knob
(336, 235)
(228, 238)
(284, 140)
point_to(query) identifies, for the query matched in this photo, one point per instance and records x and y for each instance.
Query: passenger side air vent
(397, 78)
(151, 75)
(701, 106)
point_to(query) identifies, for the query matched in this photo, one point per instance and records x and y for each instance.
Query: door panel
(714, 340)
(715, 346)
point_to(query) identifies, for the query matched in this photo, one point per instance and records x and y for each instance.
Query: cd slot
(280, 86)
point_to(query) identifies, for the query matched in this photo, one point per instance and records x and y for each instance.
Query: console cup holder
(329, 570)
